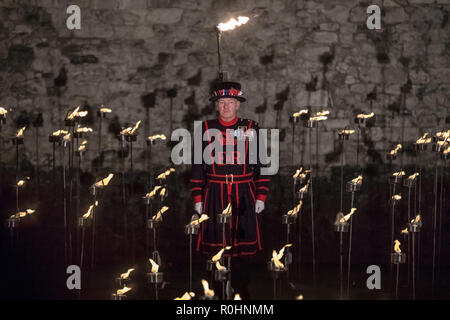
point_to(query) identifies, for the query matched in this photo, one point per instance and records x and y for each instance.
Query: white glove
(198, 207)
(259, 206)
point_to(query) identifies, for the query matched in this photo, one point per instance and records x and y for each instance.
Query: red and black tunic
(220, 182)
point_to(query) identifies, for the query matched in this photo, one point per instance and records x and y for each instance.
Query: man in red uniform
(230, 175)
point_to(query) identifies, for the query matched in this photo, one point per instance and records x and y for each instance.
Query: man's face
(227, 108)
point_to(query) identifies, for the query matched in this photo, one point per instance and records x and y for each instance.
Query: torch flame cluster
(424, 139)
(219, 254)
(345, 218)
(346, 131)
(232, 23)
(152, 193)
(84, 130)
(304, 189)
(186, 296)
(104, 182)
(22, 214)
(77, 114)
(126, 275)
(300, 112)
(365, 116)
(276, 257)
(300, 174)
(130, 130)
(20, 132)
(156, 137)
(124, 290)
(165, 174)
(397, 246)
(155, 266)
(196, 222)
(59, 133)
(399, 174)
(357, 180)
(396, 150)
(3, 111)
(88, 213)
(158, 215)
(397, 197)
(82, 147)
(413, 176)
(207, 291)
(296, 210)
(227, 211)
(320, 116)
(103, 109)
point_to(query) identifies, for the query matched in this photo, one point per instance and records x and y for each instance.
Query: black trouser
(240, 275)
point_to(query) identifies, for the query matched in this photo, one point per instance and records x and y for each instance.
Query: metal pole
(350, 249)
(312, 210)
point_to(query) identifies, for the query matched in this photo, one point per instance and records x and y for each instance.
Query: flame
(413, 176)
(166, 173)
(218, 256)
(219, 266)
(296, 210)
(85, 129)
(155, 266)
(130, 130)
(397, 246)
(202, 218)
(207, 292)
(158, 215)
(424, 139)
(347, 216)
(397, 197)
(399, 174)
(440, 135)
(20, 183)
(305, 187)
(156, 137)
(82, 147)
(276, 257)
(104, 182)
(60, 132)
(88, 213)
(186, 296)
(135, 127)
(20, 132)
(124, 290)
(3, 111)
(322, 113)
(318, 118)
(297, 173)
(357, 180)
(446, 151)
(299, 297)
(232, 23)
(163, 192)
(299, 113)
(396, 150)
(81, 114)
(72, 115)
(365, 116)
(416, 220)
(237, 296)
(152, 194)
(126, 274)
(105, 110)
(227, 211)
(22, 214)
(347, 131)
(404, 231)
(66, 137)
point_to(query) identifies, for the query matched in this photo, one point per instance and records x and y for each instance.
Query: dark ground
(35, 268)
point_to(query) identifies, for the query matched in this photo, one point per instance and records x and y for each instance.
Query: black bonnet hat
(227, 90)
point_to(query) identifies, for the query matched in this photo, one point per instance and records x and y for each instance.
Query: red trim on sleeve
(264, 188)
(261, 197)
(197, 199)
(192, 180)
(196, 189)
(261, 180)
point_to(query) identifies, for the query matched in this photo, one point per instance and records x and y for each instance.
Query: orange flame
(397, 197)
(72, 115)
(219, 266)
(126, 274)
(3, 111)
(299, 113)
(158, 215)
(365, 116)
(276, 257)
(296, 210)
(207, 291)
(232, 23)
(104, 182)
(20, 132)
(88, 213)
(124, 290)
(196, 222)
(348, 216)
(357, 180)
(399, 174)
(156, 137)
(155, 266)
(347, 131)
(397, 246)
(152, 194)
(186, 296)
(227, 211)
(396, 150)
(237, 296)
(105, 110)
(424, 139)
(218, 256)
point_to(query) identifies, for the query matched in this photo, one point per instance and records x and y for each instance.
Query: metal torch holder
(116, 296)
(191, 230)
(69, 122)
(343, 136)
(152, 224)
(352, 187)
(2, 119)
(17, 141)
(341, 226)
(395, 179)
(222, 275)
(391, 157)
(84, 223)
(276, 272)
(409, 183)
(155, 277)
(437, 148)
(54, 139)
(210, 265)
(131, 137)
(310, 123)
(393, 202)
(120, 282)
(12, 222)
(288, 219)
(414, 227)
(445, 156)
(302, 195)
(78, 135)
(223, 218)
(420, 146)
(398, 257)
(360, 121)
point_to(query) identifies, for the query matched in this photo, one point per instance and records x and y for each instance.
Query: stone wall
(291, 54)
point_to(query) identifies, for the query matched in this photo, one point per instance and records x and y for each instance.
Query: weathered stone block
(164, 16)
